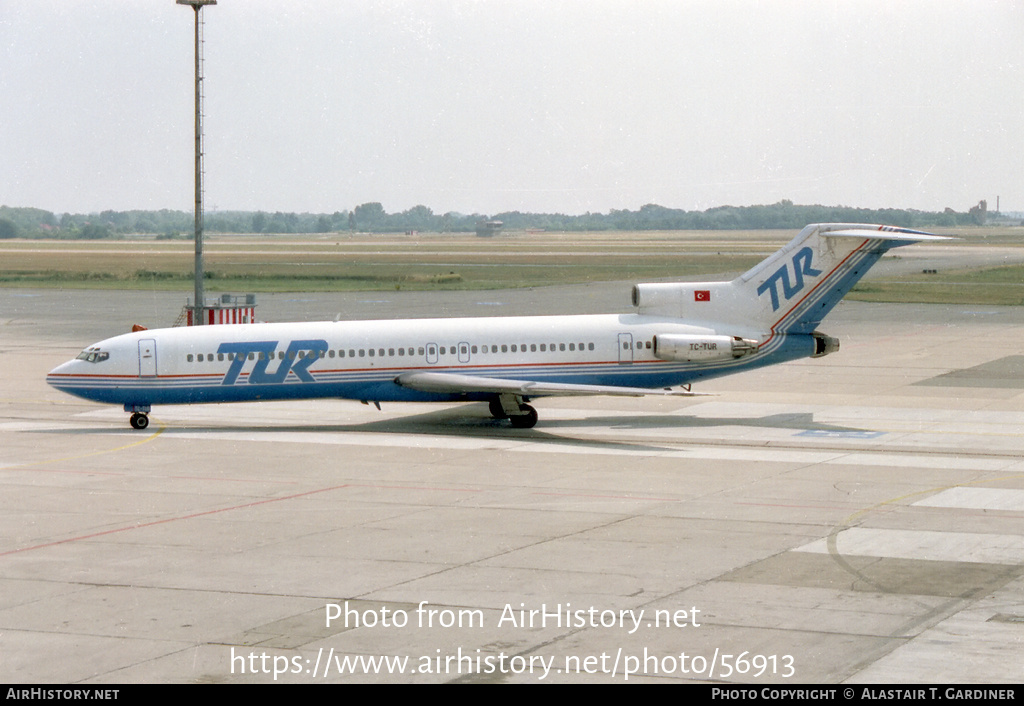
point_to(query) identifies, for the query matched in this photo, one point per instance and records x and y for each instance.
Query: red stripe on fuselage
(812, 291)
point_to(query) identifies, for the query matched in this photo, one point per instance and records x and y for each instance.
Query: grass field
(990, 285)
(375, 262)
(343, 262)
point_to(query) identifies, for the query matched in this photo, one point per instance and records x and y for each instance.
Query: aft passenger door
(625, 348)
(147, 357)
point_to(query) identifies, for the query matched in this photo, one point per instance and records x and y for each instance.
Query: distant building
(979, 213)
(486, 229)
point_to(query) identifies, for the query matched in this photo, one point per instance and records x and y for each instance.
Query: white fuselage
(361, 359)
(681, 332)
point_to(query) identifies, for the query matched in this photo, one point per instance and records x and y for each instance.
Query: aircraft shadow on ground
(475, 421)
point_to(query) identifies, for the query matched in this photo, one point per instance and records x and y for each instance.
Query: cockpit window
(93, 355)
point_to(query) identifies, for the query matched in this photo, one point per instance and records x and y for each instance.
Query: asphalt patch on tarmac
(947, 579)
(1005, 372)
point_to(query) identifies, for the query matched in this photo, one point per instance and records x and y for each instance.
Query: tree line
(372, 218)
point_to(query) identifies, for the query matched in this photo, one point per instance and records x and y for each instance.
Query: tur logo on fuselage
(790, 287)
(263, 353)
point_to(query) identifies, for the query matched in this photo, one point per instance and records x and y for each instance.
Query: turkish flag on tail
(702, 295)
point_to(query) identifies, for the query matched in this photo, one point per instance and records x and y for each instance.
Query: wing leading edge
(454, 383)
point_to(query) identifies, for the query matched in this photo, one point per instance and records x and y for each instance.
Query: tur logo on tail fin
(790, 286)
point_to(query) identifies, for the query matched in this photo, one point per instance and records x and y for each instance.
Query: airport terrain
(853, 519)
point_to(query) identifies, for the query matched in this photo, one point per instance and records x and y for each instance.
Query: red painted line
(90, 376)
(169, 519)
(610, 497)
(812, 291)
(230, 480)
(805, 507)
(439, 368)
(227, 509)
(26, 468)
(474, 366)
(822, 282)
(411, 487)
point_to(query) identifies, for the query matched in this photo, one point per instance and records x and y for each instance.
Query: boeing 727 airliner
(679, 333)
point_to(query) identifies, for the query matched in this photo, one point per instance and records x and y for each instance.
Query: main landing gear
(512, 408)
(140, 415)
(526, 419)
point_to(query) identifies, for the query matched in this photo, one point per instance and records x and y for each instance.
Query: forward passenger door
(147, 357)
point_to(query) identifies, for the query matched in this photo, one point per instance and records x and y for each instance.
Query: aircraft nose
(55, 376)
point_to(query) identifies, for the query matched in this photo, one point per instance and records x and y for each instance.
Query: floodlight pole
(199, 307)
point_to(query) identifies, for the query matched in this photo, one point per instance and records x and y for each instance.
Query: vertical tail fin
(802, 282)
(793, 289)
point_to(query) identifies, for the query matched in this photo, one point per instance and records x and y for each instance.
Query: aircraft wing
(455, 383)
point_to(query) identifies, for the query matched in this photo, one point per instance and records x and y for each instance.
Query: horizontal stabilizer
(885, 233)
(791, 291)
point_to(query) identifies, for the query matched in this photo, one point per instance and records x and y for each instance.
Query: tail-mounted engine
(689, 349)
(823, 345)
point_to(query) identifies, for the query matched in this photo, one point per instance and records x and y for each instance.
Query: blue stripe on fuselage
(378, 384)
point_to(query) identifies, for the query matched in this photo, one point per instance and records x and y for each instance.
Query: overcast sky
(483, 106)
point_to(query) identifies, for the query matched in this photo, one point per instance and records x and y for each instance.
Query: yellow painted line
(848, 523)
(151, 437)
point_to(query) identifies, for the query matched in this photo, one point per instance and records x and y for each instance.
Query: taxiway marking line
(28, 464)
(169, 519)
(971, 547)
(242, 506)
